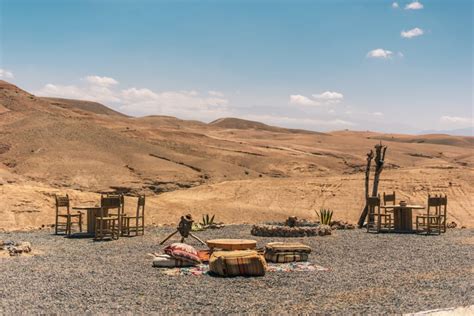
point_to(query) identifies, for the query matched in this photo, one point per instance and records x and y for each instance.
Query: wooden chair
(117, 206)
(62, 202)
(387, 198)
(376, 221)
(431, 222)
(108, 223)
(106, 226)
(135, 224)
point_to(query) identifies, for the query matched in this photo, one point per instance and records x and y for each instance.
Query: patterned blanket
(203, 269)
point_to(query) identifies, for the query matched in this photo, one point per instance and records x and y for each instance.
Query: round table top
(86, 207)
(232, 244)
(410, 206)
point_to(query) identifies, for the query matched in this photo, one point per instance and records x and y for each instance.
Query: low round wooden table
(232, 244)
(403, 217)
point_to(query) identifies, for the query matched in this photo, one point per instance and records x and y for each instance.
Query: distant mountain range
(468, 131)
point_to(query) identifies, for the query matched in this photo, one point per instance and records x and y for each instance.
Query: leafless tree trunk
(379, 161)
(370, 156)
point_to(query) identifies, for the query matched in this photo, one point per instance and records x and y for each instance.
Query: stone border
(265, 230)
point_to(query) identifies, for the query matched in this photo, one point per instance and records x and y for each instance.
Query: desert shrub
(325, 216)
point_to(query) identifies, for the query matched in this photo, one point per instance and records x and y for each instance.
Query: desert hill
(240, 170)
(236, 123)
(87, 106)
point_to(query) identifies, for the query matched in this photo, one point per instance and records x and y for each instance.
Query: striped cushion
(287, 247)
(285, 257)
(237, 263)
(281, 252)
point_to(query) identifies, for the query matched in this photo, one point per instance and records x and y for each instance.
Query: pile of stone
(15, 248)
(265, 230)
(451, 225)
(341, 225)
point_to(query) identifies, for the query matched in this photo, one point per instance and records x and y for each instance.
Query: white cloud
(89, 93)
(142, 101)
(380, 53)
(395, 5)
(378, 114)
(457, 119)
(6, 74)
(138, 95)
(189, 104)
(412, 33)
(329, 96)
(415, 5)
(101, 81)
(302, 100)
(325, 98)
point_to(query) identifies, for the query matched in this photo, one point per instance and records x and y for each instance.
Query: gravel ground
(386, 273)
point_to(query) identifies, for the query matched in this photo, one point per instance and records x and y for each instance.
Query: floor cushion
(281, 252)
(237, 263)
(166, 261)
(183, 251)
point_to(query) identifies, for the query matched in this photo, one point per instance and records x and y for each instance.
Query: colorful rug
(203, 269)
(295, 267)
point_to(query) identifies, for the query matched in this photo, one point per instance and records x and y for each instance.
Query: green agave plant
(207, 221)
(325, 216)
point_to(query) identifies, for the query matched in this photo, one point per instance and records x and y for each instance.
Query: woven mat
(203, 269)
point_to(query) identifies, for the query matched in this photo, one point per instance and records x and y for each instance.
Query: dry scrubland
(242, 171)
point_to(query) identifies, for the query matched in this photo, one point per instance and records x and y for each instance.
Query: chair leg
(80, 222)
(68, 226)
(98, 229)
(56, 225)
(115, 233)
(379, 218)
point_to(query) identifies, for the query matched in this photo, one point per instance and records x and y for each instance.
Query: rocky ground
(386, 273)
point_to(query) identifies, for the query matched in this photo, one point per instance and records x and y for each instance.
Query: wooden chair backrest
(434, 204)
(112, 202)
(373, 203)
(141, 206)
(389, 198)
(62, 202)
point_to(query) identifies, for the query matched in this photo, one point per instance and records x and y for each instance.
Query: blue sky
(321, 65)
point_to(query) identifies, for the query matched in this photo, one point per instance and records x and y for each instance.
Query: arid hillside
(242, 171)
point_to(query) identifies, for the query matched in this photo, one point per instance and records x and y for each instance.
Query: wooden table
(232, 244)
(403, 217)
(92, 213)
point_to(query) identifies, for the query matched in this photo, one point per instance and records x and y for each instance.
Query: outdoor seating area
(398, 218)
(336, 272)
(108, 220)
(234, 257)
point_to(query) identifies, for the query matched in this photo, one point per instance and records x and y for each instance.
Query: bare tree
(380, 151)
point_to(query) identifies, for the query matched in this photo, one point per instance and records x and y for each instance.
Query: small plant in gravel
(325, 216)
(207, 221)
